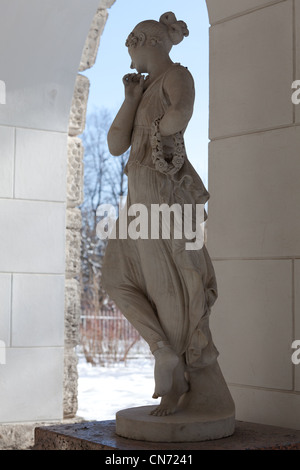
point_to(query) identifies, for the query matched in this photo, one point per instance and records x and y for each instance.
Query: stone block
(74, 219)
(297, 320)
(252, 322)
(70, 401)
(37, 310)
(20, 436)
(92, 42)
(79, 105)
(5, 309)
(73, 246)
(75, 172)
(40, 165)
(219, 10)
(269, 407)
(7, 138)
(251, 70)
(72, 312)
(255, 193)
(32, 236)
(32, 385)
(106, 3)
(16, 436)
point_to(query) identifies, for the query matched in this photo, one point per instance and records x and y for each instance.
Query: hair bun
(177, 30)
(168, 18)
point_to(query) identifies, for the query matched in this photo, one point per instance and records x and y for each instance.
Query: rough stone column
(74, 199)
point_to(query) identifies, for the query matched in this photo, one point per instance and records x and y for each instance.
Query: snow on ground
(102, 391)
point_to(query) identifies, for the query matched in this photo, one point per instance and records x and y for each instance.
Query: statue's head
(163, 33)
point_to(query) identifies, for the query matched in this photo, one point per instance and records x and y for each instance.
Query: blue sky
(113, 62)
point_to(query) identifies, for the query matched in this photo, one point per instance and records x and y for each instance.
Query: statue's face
(137, 59)
(137, 52)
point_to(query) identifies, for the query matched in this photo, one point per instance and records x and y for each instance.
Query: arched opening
(106, 91)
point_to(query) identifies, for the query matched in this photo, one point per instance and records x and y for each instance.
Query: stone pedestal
(100, 435)
(139, 424)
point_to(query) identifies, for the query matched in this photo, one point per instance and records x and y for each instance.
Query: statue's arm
(179, 87)
(119, 134)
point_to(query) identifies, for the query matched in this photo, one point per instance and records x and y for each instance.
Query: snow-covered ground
(102, 391)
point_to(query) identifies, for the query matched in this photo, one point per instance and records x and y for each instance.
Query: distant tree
(104, 182)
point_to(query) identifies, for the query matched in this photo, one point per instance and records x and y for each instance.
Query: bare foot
(170, 401)
(166, 361)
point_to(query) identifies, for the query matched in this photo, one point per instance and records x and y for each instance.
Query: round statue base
(183, 426)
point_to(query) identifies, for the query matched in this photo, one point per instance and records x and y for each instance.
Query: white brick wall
(40, 165)
(252, 72)
(253, 214)
(39, 65)
(7, 139)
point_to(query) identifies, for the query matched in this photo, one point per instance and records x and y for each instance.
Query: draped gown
(163, 289)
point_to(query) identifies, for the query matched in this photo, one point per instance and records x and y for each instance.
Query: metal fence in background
(107, 337)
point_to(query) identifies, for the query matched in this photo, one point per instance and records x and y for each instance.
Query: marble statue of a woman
(163, 289)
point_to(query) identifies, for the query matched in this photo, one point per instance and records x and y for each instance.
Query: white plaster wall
(253, 223)
(41, 45)
(219, 10)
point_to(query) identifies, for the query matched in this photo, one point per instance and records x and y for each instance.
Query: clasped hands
(134, 84)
